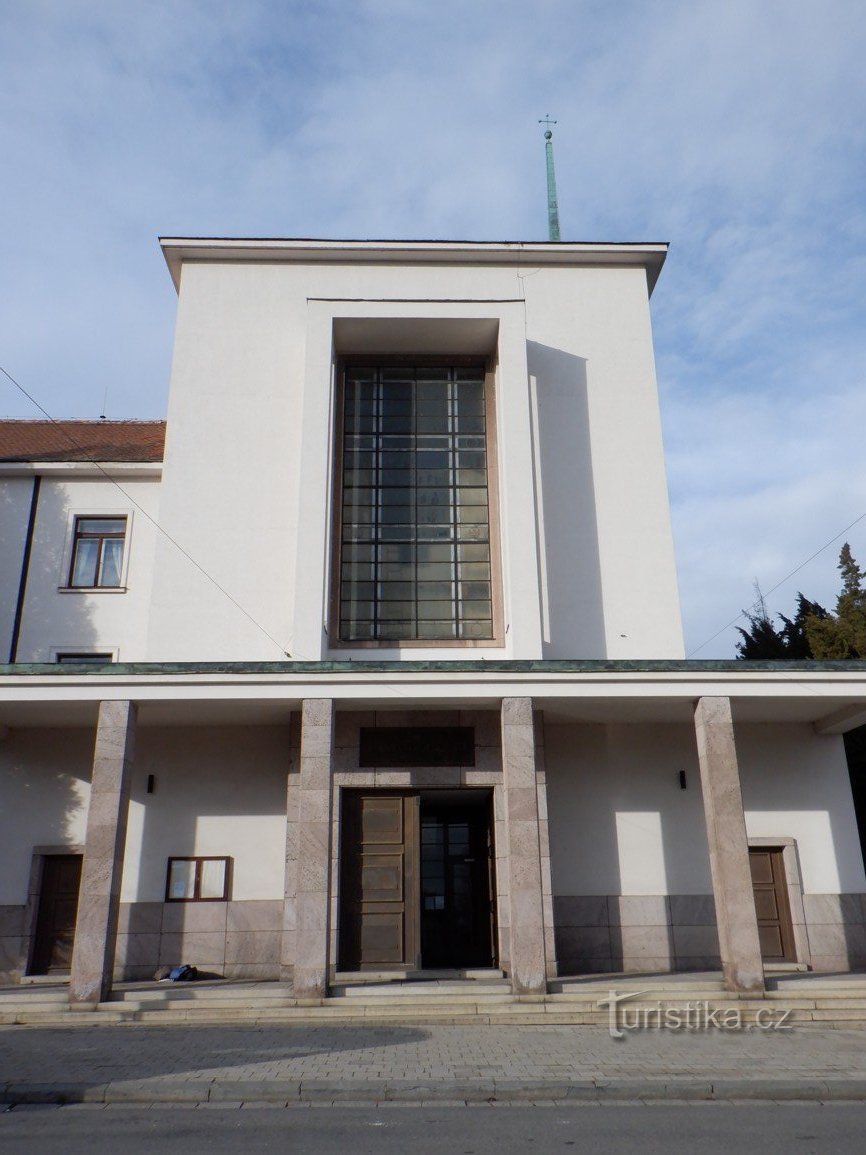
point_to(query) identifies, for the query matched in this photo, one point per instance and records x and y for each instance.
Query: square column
(313, 872)
(102, 867)
(525, 882)
(739, 944)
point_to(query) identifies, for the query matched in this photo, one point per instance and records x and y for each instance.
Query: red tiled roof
(81, 440)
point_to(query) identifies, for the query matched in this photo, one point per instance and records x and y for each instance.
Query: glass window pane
(181, 878)
(357, 611)
(472, 513)
(360, 591)
(437, 630)
(438, 591)
(396, 611)
(213, 878)
(396, 553)
(112, 562)
(85, 562)
(439, 611)
(475, 571)
(472, 532)
(435, 553)
(475, 610)
(396, 591)
(102, 525)
(396, 630)
(404, 502)
(358, 631)
(473, 591)
(476, 629)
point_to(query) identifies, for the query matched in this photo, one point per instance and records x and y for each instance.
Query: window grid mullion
(452, 496)
(376, 515)
(416, 628)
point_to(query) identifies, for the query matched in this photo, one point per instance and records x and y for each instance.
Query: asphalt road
(711, 1128)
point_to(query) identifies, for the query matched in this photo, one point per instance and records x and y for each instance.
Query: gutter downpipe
(25, 571)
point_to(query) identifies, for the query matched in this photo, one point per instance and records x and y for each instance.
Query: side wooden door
(775, 931)
(379, 887)
(55, 917)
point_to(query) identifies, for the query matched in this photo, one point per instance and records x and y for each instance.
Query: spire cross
(547, 120)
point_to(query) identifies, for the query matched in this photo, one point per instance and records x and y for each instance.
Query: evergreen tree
(839, 636)
(791, 641)
(794, 631)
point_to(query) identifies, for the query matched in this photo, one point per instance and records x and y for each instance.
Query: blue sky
(733, 130)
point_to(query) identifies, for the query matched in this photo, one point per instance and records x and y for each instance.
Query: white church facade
(370, 657)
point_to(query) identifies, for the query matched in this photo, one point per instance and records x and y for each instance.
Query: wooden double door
(416, 881)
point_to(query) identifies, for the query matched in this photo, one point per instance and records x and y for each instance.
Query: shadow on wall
(51, 619)
(570, 578)
(217, 791)
(45, 761)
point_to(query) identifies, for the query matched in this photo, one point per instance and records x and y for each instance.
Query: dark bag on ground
(182, 974)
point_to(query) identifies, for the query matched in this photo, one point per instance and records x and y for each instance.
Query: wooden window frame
(199, 860)
(78, 535)
(457, 360)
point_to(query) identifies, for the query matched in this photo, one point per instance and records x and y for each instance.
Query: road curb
(289, 1092)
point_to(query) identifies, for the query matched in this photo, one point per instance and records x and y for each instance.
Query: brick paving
(200, 1063)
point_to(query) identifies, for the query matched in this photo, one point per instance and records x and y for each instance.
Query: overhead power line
(92, 461)
(787, 577)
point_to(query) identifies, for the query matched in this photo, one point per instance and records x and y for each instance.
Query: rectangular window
(197, 880)
(97, 553)
(398, 746)
(96, 659)
(415, 549)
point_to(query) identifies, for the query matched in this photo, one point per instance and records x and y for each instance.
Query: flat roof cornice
(595, 667)
(178, 250)
(829, 695)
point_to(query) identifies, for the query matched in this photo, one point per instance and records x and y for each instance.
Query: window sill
(91, 589)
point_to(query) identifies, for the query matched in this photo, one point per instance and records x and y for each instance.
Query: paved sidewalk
(297, 1065)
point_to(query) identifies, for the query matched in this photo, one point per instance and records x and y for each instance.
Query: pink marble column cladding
(314, 793)
(739, 944)
(290, 898)
(525, 881)
(102, 867)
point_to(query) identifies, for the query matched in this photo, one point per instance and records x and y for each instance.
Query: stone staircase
(457, 998)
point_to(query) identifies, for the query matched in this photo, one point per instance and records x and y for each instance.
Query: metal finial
(552, 204)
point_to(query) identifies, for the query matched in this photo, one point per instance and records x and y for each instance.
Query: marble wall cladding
(603, 933)
(12, 943)
(836, 927)
(238, 940)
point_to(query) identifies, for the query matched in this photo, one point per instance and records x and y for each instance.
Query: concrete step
(412, 991)
(201, 992)
(484, 974)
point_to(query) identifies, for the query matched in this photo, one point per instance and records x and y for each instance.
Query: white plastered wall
(115, 621)
(247, 467)
(621, 824)
(15, 494)
(217, 791)
(44, 792)
(795, 784)
(619, 821)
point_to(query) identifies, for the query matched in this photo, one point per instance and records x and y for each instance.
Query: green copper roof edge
(514, 666)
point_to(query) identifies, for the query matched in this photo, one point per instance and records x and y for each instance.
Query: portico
(602, 794)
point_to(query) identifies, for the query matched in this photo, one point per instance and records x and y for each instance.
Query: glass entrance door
(456, 886)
